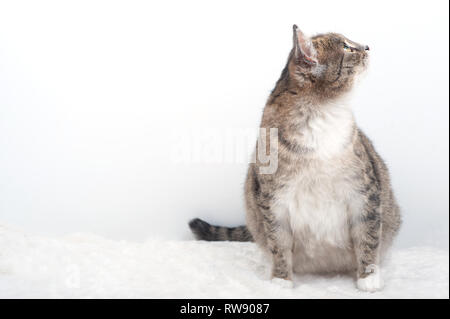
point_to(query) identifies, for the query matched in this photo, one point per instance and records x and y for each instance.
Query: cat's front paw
(283, 283)
(372, 282)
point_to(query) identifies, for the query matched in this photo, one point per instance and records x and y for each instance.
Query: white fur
(371, 283)
(317, 207)
(328, 132)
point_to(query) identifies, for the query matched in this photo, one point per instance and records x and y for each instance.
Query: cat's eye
(347, 47)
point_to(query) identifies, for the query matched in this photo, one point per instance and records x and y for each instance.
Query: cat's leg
(279, 243)
(366, 236)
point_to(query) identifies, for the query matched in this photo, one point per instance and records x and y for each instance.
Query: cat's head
(326, 63)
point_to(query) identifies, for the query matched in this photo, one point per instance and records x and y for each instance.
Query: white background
(91, 93)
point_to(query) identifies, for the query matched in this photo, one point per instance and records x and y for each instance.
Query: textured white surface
(87, 266)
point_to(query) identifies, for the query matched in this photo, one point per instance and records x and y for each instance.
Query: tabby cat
(329, 206)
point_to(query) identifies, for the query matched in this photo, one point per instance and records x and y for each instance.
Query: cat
(329, 207)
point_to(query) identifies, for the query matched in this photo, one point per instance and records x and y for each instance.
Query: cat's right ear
(304, 53)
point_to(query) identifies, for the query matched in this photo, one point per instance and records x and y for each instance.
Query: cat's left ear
(304, 52)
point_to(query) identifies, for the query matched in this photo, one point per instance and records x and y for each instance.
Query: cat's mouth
(361, 64)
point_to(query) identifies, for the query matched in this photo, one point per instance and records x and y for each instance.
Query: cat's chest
(318, 204)
(318, 201)
(329, 133)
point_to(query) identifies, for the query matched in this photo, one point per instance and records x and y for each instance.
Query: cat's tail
(204, 231)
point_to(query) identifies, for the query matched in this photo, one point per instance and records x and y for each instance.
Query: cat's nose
(366, 48)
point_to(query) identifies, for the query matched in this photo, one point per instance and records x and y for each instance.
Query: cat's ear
(304, 53)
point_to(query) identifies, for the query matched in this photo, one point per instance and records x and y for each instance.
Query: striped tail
(204, 231)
